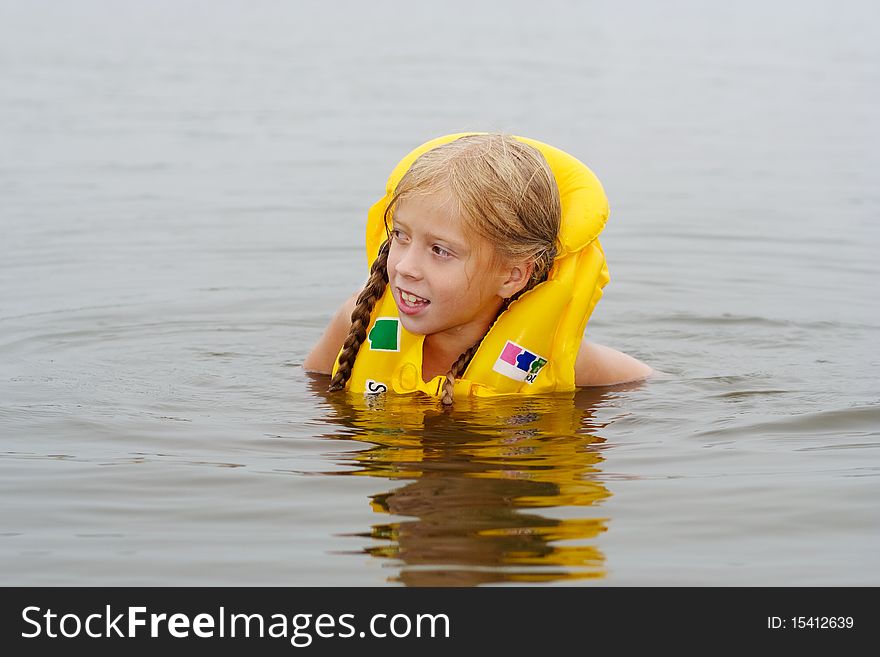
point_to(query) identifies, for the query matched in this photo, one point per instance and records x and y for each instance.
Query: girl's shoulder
(598, 365)
(322, 357)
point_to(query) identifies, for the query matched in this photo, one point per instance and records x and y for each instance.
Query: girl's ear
(517, 278)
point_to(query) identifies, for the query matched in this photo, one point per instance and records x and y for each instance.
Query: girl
(485, 268)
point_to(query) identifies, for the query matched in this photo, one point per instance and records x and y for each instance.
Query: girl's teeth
(411, 298)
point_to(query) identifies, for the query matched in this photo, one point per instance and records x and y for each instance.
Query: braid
(360, 317)
(539, 275)
(457, 369)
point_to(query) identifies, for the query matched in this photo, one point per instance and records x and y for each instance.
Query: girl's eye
(397, 235)
(440, 251)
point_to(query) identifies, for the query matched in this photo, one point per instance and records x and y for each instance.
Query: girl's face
(444, 278)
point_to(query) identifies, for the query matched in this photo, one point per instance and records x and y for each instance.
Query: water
(184, 188)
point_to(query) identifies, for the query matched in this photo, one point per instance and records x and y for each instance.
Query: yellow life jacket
(532, 346)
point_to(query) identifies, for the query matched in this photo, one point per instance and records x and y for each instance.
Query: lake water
(184, 189)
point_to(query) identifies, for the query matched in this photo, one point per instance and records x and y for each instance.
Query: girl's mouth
(409, 303)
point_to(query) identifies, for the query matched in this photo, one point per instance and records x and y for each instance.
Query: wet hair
(506, 193)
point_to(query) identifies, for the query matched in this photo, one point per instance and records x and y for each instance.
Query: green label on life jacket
(385, 334)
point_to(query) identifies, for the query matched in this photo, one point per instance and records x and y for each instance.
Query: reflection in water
(475, 480)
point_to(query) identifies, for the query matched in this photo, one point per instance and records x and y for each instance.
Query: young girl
(485, 267)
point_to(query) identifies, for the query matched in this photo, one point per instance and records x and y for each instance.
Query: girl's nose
(408, 265)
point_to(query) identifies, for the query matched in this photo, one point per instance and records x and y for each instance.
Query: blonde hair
(507, 193)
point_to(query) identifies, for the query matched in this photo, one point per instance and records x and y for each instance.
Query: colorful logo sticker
(519, 363)
(385, 334)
